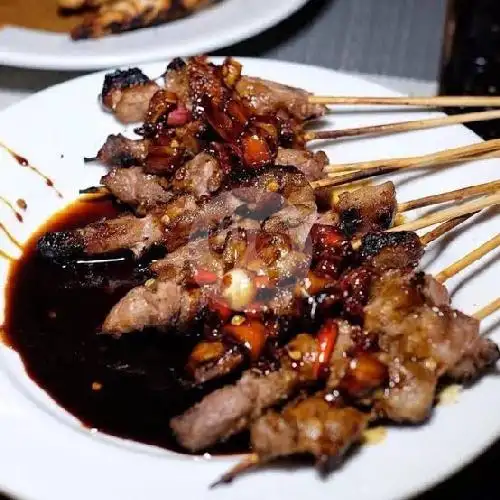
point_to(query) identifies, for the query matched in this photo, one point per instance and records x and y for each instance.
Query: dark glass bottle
(471, 54)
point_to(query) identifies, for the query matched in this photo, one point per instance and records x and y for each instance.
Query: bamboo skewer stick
(433, 159)
(469, 259)
(249, 462)
(354, 167)
(427, 102)
(455, 195)
(363, 170)
(449, 213)
(444, 228)
(403, 126)
(487, 310)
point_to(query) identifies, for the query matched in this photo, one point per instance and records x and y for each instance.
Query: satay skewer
(363, 170)
(468, 259)
(428, 160)
(455, 195)
(252, 460)
(425, 102)
(449, 213)
(444, 228)
(487, 310)
(406, 126)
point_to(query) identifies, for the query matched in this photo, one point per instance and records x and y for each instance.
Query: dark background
(387, 37)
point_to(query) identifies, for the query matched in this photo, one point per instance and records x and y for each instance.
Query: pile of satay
(315, 300)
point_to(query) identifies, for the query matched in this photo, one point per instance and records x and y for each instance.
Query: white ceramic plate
(219, 26)
(46, 454)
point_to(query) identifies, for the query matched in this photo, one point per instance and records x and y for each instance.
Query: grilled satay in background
(107, 17)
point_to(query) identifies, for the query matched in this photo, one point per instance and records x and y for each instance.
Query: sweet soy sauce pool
(128, 387)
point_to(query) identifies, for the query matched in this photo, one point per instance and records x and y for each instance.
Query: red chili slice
(203, 277)
(251, 334)
(326, 339)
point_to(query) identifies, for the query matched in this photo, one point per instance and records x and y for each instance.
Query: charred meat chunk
(367, 209)
(126, 232)
(120, 151)
(396, 250)
(127, 94)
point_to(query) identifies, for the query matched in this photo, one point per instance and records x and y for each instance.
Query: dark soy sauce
(128, 387)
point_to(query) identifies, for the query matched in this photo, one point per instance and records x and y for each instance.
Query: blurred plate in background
(228, 22)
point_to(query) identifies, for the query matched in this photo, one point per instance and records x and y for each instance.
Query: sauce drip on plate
(12, 208)
(128, 387)
(24, 162)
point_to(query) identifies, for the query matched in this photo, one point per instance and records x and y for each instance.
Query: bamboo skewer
(433, 159)
(362, 170)
(455, 195)
(403, 126)
(449, 213)
(469, 259)
(249, 462)
(487, 310)
(427, 102)
(444, 228)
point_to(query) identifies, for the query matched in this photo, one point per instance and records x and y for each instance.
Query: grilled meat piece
(480, 355)
(123, 232)
(120, 151)
(410, 395)
(184, 267)
(371, 208)
(424, 339)
(125, 15)
(267, 98)
(132, 186)
(254, 139)
(311, 426)
(281, 198)
(263, 97)
(309, 163)
(127, 94)
(410, 326)
(176, 81)
(160, 304)
(229, 410)
(384, 251)
(174, 146)
(200, 176)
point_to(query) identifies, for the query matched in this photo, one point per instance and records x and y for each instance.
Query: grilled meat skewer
(125, 15)
(264, 97)
(120, 151)
(283, 196)
(429, 307)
